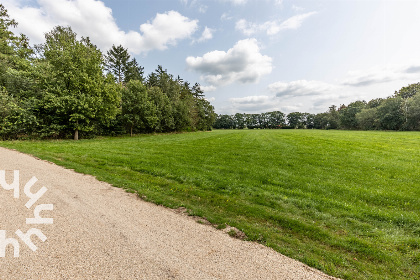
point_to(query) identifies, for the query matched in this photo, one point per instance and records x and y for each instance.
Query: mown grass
(345, 202)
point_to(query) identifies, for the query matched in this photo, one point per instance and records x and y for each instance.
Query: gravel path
(102, 232)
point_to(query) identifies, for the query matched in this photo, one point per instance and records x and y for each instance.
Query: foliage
(399, 112)
(133, 71)
(367, 119)
(64, 90)
(138, 110)
(296, 120)
(118, 63)
(412, 106)
(347, 114)
(390, 114)
(76, 92)
(408, 91)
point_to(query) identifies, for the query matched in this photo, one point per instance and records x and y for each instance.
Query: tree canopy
(398, 112)
(66, 86)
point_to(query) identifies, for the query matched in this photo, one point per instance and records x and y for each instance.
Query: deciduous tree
(76, 92)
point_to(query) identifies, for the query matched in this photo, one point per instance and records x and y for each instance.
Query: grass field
(345, 202)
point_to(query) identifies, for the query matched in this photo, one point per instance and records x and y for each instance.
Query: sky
(252, 56)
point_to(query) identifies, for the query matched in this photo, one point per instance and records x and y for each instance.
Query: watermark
(24, 238)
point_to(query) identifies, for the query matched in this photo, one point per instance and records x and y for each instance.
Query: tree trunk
(131, 132)
(76, 134)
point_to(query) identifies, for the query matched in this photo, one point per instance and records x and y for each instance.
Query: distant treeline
(398, 112)
(67, 87)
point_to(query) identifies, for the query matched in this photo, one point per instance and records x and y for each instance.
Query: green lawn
(345, 202)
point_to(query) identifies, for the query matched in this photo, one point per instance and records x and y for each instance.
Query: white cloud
(91, 18)
(242, 63)
(246, 27)
(272, 27)
(165, 29)
(297, 8)
(211, 99)
(251, 104)
(412, 69)
(265, 103)
(251, 99)
(203, 9)
(295, 21)
(206, 35)
(237, 2)
(208, 88)
(225, 16)
(278, 2)
(317, 96)
(195, 4)
(300, 88)
(377, 75)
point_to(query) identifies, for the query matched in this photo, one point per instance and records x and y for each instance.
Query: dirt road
(102, 232)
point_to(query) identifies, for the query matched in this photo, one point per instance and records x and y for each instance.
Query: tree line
(66, 87)
(400, 111)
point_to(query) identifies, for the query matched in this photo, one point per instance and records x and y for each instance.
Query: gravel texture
(102, 232)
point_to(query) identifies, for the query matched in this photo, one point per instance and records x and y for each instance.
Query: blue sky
(252, 56)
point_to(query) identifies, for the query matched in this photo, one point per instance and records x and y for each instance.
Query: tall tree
(15, 58)
(196, 90)
(390, 114)
(6, 35)
(77, 94)
(413, 113)
(333, 117)
(347, 114)
(206, 115)
(408, 91)
(133, 71)
(367, 118)
(296, 120)
(117, 62)
(138, 110)
(239, 120)
(165, 114)
(276, 119)
(321, 121)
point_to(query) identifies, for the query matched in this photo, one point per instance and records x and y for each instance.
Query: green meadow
(344, 202)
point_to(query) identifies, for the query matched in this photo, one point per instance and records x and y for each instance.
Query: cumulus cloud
(300, 88)
(203, 9)
(92, 18)
(247, 28)
(208, 88)
(242, 63)
(237, 2)
(278, 2)
(412, 69)
(297, 8)
(383, 74)
(251, 99)
(295, 21)
(206, 35)
(272, 27)
(249, 104)
(165, 29)
(195, 4)
(225, 16)
(266, 103)
(316, 96)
